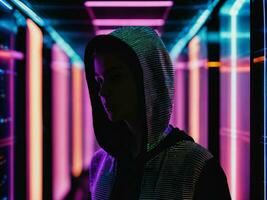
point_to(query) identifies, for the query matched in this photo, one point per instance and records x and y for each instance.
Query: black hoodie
(171, 165)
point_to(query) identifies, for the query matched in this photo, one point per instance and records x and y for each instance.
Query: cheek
(128, 101)
(126, 92)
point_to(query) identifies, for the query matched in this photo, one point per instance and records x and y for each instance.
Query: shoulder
(186, 146)
(100, 158)
(101, 173)
(212, 183)
(101, 161)
(191, 151)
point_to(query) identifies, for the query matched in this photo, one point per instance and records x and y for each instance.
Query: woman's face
(118, 87)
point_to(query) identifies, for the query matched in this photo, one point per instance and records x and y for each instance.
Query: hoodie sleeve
(212, 183)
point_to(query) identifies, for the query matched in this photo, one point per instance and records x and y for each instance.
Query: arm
(212, 183)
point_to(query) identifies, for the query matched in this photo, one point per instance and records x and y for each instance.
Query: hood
(157, 72)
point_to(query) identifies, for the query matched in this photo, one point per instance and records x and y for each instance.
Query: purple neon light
(107, 31)
(104, 31)
(128, 22)
(128, 3)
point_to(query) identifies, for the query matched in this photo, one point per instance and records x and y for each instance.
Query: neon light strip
(180, 44)
(29, 12)
(12, 125)
(108, 31)
(264, 100)
(214, 64)
(259, 59)
(52, 32)
(77, 143)
(104, 31)
(242, 69)
(179, 104)
(10, 54)
(233, 106)
(6, 5)
(242, 35)
(64, 45)
(234, 12)
(194, 89)
(128, 3)
(60, 126)
(128, 22)
(34, 111)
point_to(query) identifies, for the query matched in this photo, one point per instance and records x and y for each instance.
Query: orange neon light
(194, 95)
(77, 120)
(214, 64)
(258, 59)
(34, 111)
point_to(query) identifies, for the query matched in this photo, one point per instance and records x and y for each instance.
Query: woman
(130, 80)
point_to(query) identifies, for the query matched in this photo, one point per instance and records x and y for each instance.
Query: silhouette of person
(130, 80)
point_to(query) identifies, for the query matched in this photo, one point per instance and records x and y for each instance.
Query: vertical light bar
(264, 100)
(178, 110)
(60, 124)
(34, 111)
(234, 12)
(194, 89)
(233, 106)
(12, 125)
(77, 120)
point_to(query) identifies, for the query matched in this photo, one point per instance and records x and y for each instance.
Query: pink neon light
(240, 69)
(34, 112)
(104, 31)
(10, 54)
(60, 124)
(128, 22)
(178, 112)
(89, 137)
(194, 89)
(108, 31)
(128, 3)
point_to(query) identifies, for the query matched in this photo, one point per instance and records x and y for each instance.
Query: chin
(113, 117)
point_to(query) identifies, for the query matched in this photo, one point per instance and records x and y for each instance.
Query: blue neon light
(180, 44)
(74, 57)
(29, 12)
(6, 5)
(64, 45)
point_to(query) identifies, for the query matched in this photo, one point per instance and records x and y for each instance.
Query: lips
(106, 105)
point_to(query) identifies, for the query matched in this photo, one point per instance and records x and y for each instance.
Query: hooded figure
(130, 80)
